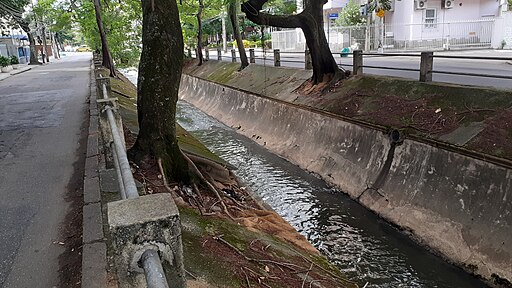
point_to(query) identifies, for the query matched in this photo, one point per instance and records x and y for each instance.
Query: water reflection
(365, 247)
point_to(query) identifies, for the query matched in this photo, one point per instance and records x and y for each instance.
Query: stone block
(92, 145)
(91, 166)
(91, 190)
(94, 265)
(93, 224)
(147, 222)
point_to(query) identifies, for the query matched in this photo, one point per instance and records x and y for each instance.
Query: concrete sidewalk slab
(20, 70)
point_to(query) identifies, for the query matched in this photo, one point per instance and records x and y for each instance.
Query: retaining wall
(457, 205)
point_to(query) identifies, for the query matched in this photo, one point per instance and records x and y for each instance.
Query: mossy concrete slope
(455, 204)
(474, 118)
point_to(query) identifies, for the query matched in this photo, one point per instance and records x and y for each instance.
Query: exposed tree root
(210, 185)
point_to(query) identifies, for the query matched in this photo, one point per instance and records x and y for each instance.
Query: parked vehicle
(83, 48)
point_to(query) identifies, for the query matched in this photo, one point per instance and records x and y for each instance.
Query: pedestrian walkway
(21, 69)
(42, 113)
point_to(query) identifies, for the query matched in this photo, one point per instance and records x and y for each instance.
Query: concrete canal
(366, 248)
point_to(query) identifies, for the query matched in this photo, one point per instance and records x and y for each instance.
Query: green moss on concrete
(389, 102)
(213, 268)
(128, 103)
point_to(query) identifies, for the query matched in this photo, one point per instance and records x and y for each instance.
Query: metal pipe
(124, 166)
(155, 276)
(118, 172)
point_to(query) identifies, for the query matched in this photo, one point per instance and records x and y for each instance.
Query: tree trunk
(160, 68)
(45, 46)
(107, 58)
(310, 20)
(200, 33)
(236, 31)
(32, 42)
(55, 45)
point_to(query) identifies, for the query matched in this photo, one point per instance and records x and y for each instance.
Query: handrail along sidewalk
(150, 260)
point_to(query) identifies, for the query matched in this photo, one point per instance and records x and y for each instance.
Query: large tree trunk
(45, 46)
(160, 68)
(200, 33)
(310, 20)
(32, 42)
(236, 31)
(107, 58)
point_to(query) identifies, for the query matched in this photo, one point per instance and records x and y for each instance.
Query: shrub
(15, 60)
(4, 61)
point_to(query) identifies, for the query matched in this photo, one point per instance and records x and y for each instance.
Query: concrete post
(426, 66)
(206, 54)
(309, 63)
(233, 55)
(137, 225)
(219, 53)
(357, 68)
(277, 58)
(252, 56)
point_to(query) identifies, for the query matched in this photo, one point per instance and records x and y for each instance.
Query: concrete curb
(94, 253)
(15, 72)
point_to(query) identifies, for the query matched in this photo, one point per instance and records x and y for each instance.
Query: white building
(441, 23)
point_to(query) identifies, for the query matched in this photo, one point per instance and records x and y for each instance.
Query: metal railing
(425, 65)
(434, 35)
(150, 260)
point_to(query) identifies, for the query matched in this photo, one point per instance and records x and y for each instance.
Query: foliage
(4, 61)
(11, 11)
(123, 23)
(350, 15)
(211, 19)
(280, 7)
(14, 60)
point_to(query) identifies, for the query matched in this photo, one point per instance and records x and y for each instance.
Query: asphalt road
(41, 114)
(440, 64)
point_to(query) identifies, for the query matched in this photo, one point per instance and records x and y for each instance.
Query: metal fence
(429, 36)
(150, 260)
(425, 65)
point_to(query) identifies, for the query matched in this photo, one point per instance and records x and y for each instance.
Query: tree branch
(252, 11)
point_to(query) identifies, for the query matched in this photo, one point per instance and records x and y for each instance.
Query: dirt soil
(242, 245)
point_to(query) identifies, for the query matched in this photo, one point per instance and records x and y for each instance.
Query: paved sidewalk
(22, 68)
(42, 151)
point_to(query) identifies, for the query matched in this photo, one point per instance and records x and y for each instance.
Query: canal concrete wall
(457, 205)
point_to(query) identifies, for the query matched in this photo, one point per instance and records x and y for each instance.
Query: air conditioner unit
(420, 4)
(447, 4)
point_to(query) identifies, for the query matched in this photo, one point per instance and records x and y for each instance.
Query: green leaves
(123, 26)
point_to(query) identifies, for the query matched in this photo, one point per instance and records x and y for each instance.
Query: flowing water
(366, 248)
(363, 246)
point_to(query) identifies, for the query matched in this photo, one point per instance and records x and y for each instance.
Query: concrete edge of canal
(94, 251)
(455, 204)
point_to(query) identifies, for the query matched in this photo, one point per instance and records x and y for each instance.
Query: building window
(430, 18)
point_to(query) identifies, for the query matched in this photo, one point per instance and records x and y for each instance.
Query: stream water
(366, 248)
(363, 246)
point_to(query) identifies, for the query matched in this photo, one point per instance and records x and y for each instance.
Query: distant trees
(350, 15)
(13, 10)
(107, 61)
